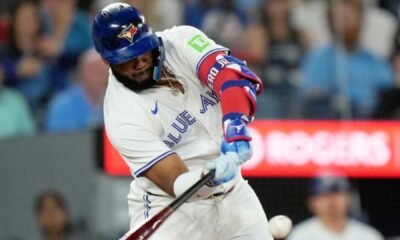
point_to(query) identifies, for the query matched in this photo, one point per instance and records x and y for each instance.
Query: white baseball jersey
(312, 229)
(146, 127)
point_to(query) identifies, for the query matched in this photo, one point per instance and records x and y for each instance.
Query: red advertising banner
(113, 162)
(304, 148)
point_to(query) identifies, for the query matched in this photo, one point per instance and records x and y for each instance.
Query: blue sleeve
(62, 116)
(385, 75)
(10, 71)
(316, 74)
(52, 121)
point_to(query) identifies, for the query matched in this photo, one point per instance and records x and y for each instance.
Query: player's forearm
(232, 81)
(174, 179)
(165, 172)
(233, 99)
(237, 87)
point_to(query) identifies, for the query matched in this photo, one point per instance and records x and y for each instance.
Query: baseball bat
(148, 228)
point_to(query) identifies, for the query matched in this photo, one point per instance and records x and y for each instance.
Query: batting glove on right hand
(236, 137)
(226, 168)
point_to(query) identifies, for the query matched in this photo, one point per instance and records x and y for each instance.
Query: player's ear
(310, 204)
(105, 61)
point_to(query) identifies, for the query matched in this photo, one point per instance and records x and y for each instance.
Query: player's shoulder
(125, 112)
(308, 223)
(366, 230)
(321, 53)
(374, 62)
(179, 30)
(120, 100)
(179, 34)
(304, 229)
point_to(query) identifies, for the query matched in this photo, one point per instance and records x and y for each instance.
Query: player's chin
(142, 84)
(135, 83)
(142, 79)
(146, 84)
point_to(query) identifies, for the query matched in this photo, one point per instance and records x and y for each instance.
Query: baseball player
(177, 105)
(329, 200)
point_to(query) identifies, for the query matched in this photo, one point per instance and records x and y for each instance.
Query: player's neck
(336, 225)
(54, 236)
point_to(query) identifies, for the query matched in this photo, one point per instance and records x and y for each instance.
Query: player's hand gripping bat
(147, 229)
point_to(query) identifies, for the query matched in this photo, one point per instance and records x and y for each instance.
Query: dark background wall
(65, 163)
(32, 165)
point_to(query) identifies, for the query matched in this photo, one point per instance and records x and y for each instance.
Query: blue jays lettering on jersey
(181, 124)
(209, 99)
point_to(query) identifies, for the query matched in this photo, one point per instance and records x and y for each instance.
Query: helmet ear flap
(159, 56)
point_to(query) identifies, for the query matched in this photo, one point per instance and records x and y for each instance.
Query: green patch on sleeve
(199, 43)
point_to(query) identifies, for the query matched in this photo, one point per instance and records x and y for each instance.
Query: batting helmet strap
(120, 33)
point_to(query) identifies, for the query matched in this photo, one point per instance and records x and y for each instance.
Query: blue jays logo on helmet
(120, 33)
(128, 33)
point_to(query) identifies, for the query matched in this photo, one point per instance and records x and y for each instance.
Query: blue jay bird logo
(128, 33)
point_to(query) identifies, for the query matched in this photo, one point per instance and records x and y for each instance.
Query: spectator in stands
(67, 35)
(329, 201)
(194, 12)
(343, 79)
(276, 49)
(80, 106)
(378, 26)
(15, 117)
(24, 69)
(52, 217)
(3, 30)
(392, 6)
(155, 12)
(224, 23)
(389, 102)
(219, 19)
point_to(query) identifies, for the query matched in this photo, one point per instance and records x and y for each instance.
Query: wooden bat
(148, 228)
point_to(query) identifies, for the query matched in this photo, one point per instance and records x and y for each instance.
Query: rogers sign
(354, 148)
(298, 148)
(303, 148)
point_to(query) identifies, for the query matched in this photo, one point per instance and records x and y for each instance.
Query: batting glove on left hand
(237, 138)
(226, 168)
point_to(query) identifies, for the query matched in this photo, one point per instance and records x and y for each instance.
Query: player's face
(330, 205)
(26, 21)
(52, 217)
(137, 73)
(346, 19)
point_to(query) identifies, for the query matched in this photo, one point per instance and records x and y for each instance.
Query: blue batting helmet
(328, 184)
(120, 33)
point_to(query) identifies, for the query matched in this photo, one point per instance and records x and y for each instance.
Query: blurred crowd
(318, 59)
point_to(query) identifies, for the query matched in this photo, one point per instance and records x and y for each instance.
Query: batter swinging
(177, 105)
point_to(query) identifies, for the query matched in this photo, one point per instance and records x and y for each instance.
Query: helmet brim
(135, 49)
